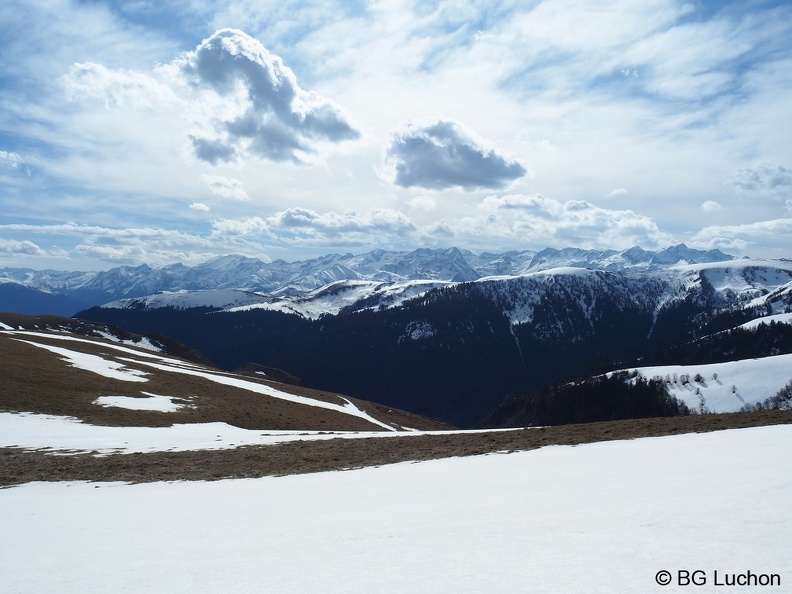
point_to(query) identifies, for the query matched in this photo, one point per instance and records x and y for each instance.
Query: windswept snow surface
(604, 517)
(725, 387)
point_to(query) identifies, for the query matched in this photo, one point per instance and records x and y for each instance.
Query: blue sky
(156, 132)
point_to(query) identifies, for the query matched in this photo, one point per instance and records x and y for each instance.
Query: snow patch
(94, 363)
(153, 402)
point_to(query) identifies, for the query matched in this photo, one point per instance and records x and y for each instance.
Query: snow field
(602, 517)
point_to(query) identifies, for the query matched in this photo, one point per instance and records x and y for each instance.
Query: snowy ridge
(747, 283)
(750, 283)
(183, 299)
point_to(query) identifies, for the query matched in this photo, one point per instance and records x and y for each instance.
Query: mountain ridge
(284, 279)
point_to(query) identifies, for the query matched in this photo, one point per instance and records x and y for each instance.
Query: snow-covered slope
(745, 283)
(594, 518)
(724, 387)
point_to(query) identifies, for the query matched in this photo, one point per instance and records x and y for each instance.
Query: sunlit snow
(602, 517)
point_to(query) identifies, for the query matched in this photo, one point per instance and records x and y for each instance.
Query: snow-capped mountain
(743, 283)
(289, 279)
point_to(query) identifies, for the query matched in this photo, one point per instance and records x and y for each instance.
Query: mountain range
(62, 292)
(454, 336)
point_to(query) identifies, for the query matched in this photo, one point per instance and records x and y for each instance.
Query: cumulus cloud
(305, 226)
(443, 155)
(268, 115)
(616, 192)
(425, 203)
(154, 246)
(199, 206)
(226, 187)
(765, 181)
(772, 236)
(538, 220)
(11, 247)
(711, 206)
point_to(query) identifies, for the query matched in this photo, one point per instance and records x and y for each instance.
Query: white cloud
(226, 187)
(443, 154)
(154, 246)
(424, 203)
(117, 88)
(8, 159)
(771, 236)
(763, 181)
(10, 247)
(239, 227)
(307, 227)
(199, 206)
(711, 206)
(537, 220)
(269, 115)
(616, 192)
(15, 163)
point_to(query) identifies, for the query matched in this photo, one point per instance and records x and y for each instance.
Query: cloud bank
(443, 155)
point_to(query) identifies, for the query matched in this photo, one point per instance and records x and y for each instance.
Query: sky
(158, 132)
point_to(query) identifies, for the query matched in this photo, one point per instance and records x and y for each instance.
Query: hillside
(54, 376)
(122, 408)
(456, 351)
